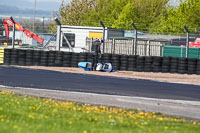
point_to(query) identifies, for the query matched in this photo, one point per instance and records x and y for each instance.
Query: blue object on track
(87, 66)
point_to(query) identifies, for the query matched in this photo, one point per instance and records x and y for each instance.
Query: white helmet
(99, 67)
(107, 67)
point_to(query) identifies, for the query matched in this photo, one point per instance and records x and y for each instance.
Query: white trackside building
(74, 37)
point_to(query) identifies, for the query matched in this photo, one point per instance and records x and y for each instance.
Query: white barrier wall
(22, 36)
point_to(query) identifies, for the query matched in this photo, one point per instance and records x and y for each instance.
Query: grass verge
(25, 114)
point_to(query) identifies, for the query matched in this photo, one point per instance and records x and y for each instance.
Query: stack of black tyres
(29, 58)
(174, 65)
(106, 58)
(14, 57)
(51, 58)
(21, 57)
(166, 62)
(182, 65)
(148, 64)
(59, 58)
(198, 67)
(67, 59)
(132, 62)
(7, 56)
(36, 57)
(192, 63)
(75, 59)
(140, 63)
(90, 57)
(83, 57)
(124, 62)
(157, 64)
(115, 61)
(44, 58)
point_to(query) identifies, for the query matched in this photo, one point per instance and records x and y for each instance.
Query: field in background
(25, 114)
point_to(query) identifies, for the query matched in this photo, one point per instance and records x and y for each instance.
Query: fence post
(58, 34)
(187, 42)
(133, 47)
(135, 39)
(145, 49)
(91, 42)
(101, 22)
(161, 50)
(13, 38)
(149, 47)
(113, 46)
(199, 53)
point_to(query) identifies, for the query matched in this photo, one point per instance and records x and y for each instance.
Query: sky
(26, 7)
(44, 8)
(29, 4)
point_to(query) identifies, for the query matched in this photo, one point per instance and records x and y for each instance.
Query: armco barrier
(1, 55)
(119, 62)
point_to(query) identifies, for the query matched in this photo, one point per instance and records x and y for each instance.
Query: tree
(74, 13)
(126, 17)
(174, 18)
(148, 15)
(142, 13)
(105, 10)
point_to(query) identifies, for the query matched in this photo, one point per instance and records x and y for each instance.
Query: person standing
(96, 53)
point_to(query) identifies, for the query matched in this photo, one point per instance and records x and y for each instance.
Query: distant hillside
(12, 10)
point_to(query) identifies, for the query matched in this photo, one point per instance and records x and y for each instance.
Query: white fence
(144, 47)
(22, 36)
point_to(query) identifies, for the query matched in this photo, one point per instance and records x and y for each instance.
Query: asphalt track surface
(45, 79)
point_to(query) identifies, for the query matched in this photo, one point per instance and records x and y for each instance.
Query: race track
(28, 78)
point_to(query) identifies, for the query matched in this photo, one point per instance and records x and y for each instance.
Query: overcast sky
(50, 5)
(26, 7)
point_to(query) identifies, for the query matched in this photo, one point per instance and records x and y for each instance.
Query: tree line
(153, 16)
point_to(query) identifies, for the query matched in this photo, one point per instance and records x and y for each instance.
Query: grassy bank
(25, 114)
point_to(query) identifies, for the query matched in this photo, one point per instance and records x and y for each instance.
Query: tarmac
(182, 100)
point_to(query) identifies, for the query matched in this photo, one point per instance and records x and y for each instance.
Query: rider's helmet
(107, 67)
(99, 67)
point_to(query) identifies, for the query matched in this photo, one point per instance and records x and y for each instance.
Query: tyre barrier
(174, 65)
(115, 60)
(148, 64)
(166, 61)
(123, 62)
(44, 58)
(67, 59)
(198, 67)
(59, 59)
(14, 57)
(140, 62)
(83, 57)
(75, 59)
(36, 57)
(119, 62)
(192, 63)
(157, 64)
(90, 57)
(29, 58)
(106, 58)
(22, 57)
(182, 66)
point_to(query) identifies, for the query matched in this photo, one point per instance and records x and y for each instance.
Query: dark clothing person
(96, 52)
(96, 47)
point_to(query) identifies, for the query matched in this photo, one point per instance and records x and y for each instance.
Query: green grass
(25, 114)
